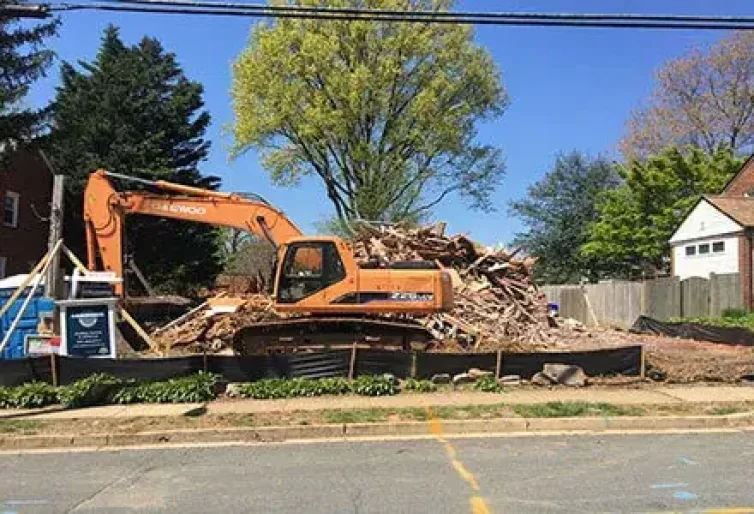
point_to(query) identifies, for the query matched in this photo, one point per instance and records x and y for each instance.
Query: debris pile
(497, 305)
(211, 326)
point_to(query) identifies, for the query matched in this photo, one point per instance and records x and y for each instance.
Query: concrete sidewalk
(653, 396)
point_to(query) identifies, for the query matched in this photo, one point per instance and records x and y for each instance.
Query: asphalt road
(611, 473)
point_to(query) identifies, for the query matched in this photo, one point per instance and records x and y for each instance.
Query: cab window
(307, 269)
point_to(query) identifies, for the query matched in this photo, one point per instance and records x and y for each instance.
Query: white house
(709, 239)
(716, 235)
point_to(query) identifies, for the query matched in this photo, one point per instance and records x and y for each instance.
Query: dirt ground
(677, 360)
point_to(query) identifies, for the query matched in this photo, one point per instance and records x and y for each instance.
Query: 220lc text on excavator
(334, 299)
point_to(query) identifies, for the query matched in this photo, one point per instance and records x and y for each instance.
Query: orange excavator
(336, 300)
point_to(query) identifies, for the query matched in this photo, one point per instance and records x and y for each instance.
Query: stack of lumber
(497, 305)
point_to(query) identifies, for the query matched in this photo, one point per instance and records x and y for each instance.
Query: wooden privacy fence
(620, 302)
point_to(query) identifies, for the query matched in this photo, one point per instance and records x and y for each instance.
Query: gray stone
(565, 374)
(541, 380)
(391, 378)
(441, 378)
(233, 390)
(510, 380)
(463, 378)
(478, 373)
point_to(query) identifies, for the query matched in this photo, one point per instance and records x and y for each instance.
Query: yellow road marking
(478, 505)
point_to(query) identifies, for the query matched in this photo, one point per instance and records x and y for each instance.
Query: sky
(570, 89)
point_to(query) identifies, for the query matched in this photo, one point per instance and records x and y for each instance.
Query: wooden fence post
(352, 363)
(643, 364)
(54, 369)
(499, 364)
(413, 365)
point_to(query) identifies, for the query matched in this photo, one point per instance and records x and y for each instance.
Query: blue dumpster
(39, 306)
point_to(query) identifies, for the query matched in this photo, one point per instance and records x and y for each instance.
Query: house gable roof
(708, 218)
(739, 209)
(742, 174)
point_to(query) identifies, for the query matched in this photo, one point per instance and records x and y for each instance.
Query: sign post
(88, 327)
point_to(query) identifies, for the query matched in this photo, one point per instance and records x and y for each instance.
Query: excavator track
(329, 332)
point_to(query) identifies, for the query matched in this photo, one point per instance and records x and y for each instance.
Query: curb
(355, 431)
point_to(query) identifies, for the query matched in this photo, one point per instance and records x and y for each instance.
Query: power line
(208, 8)
(434, 15)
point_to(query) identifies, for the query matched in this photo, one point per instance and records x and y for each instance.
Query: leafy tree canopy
(705, 98)
(637, 219)
(383, 113)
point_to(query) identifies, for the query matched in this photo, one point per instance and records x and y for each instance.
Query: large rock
(478, 373)
(541, 379)
(441, 378)
(565, 374)
(463, 378)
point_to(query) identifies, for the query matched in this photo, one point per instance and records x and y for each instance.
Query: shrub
(29, 396)
(96, 389)
(488, 384)
(5, 398)
(192, 389)
(368, 385)
(420, 386)
(290, 388)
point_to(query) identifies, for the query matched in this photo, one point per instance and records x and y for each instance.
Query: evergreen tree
(133, 111)
(557, 213)
(23, 60)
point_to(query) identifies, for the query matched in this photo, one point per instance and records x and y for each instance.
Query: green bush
(420, 386)
(192, 389)
(368, 385)
(93, 390)
(28, 396)
(734, 318)
(488, 384)
(291, 388)
(5, 398)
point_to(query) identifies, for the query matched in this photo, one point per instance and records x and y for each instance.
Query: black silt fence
(624, 361)
(685, 330)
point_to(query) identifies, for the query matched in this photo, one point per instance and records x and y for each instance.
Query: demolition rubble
(497, 306)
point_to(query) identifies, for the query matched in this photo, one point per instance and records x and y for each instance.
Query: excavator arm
(105, 210)
(314, 274)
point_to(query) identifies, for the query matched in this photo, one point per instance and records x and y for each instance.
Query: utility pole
(56, 232)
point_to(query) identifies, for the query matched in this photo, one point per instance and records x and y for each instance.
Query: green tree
(383, 113)
(637, 219)
(23, 59)
(556, 214)
(133, 111)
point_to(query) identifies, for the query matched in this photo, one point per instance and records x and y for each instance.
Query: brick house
(716, 235)
(26, 192)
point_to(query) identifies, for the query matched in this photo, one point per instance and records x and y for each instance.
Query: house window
(11, 203)
(718, 247)
(690, 250)
(704, 249)
(3, 260)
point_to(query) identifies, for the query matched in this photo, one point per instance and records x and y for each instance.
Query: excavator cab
(308, 268)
